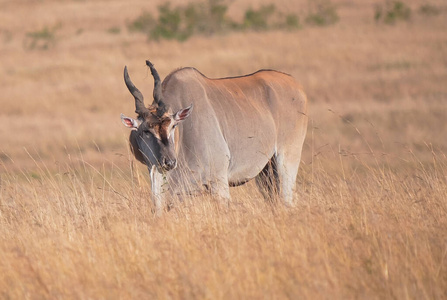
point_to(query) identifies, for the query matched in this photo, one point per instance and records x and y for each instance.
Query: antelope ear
(129, 122)
(183, 113)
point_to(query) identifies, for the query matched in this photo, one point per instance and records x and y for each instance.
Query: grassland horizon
(76, 216)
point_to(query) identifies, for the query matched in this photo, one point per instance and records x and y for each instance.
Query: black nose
(168, 164)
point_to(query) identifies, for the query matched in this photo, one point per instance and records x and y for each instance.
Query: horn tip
(149, 64)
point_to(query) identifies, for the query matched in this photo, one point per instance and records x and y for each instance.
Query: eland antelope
(232, 130)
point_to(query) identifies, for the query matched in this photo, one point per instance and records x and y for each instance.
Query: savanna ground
(75, 209)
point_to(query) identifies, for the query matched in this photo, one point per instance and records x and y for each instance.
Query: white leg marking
(158, 187)
(287, 172)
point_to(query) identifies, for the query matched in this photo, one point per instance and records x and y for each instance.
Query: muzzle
(168, 164)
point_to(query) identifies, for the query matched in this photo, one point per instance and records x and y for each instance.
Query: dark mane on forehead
(157, 112)
(153, 118)
(159, 109)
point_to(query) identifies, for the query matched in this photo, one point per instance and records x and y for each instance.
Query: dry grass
(90, 233)
(75, 213)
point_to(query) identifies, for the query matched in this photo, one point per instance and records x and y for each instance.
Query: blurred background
(375, 72)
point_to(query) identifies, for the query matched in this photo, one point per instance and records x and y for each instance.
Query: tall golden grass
(86, 232)
(75, 211)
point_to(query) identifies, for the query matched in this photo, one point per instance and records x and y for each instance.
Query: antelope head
(152, 136)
